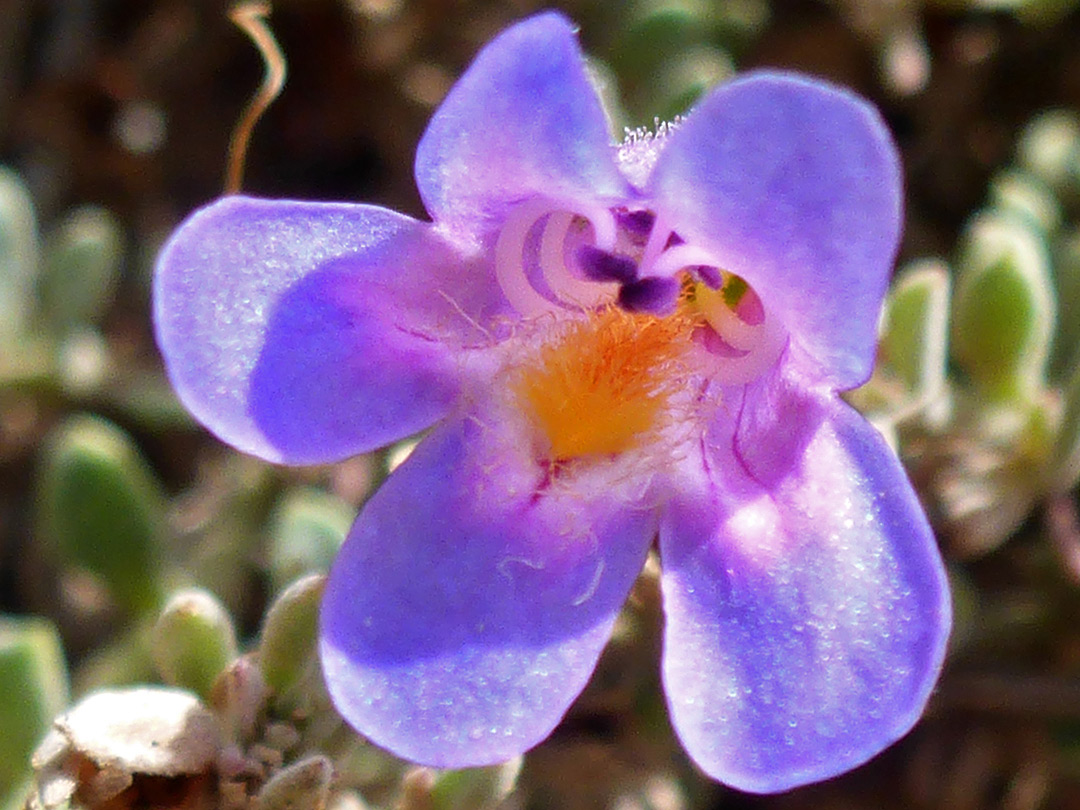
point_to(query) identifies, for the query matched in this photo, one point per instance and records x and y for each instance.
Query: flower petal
(794, 185)
(806, 620)
(523, 120)
(472, 598)
(286, 327)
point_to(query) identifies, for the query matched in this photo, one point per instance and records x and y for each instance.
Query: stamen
(659, 236)
(717, 304)
(748, 349)
(509, 259)
(638, 223)
(744, 333)
(599, 265)
(567, 288)
(708, 274)
(656, 295)
(676, 258)
(718, 314)
(715, 344)
(736, 370)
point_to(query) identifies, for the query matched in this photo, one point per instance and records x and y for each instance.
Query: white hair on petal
(638, 152)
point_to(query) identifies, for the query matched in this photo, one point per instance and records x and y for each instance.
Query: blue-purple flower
(610, 346)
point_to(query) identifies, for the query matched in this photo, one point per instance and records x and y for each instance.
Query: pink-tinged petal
(472, 598)
(291, 330)
(523, 120)
(794, 185)
(806, 619)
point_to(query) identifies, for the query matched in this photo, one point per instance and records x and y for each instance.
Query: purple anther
(655, 295)
(600, 265)
(674, 240)
(638, 223)
(710, 275)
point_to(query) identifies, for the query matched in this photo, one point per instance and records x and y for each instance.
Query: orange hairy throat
(604, 384)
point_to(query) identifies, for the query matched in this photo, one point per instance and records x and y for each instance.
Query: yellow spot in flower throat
(603, 385)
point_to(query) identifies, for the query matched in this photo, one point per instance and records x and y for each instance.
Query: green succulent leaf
(1066, 352)
(103, 510)
(1004, 309)
(306, 529)
(1049, 148)
(193, 641)
(18, 255)
(915, 327)
(1024, 194)
(289, 634)
(82, 265)
(1066, 469)
(474, 787)
(34, 685)
(304, 784)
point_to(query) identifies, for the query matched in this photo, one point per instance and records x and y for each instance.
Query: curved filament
(748, 349)
(567, 288)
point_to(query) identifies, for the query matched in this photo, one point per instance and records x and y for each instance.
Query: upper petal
(523, 120)
(293, 330)
(471, 600)
(794, 185)
(806, 619)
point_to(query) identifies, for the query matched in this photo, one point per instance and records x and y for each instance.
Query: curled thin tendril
(251, 18)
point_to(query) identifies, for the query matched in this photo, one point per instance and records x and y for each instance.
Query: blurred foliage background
(134, 548)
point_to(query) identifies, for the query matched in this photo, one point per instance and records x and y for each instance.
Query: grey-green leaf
(1049, 147)
(193, 641)
(1026, 195)
(1066, 352)
(1004, 309)
(474, 787)
(306, 529)
(82, 266)
(102, 508)
(304, 785)
(915, 327)
(290, 632)
(34, 685)
(18, 255)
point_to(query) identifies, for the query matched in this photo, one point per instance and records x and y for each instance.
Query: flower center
(603, 385)
(556, 257)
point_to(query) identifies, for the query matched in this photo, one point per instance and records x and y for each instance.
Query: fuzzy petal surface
(286, 327)
(471, 600)
(794, 185)
(806, 618)
(524, 119)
